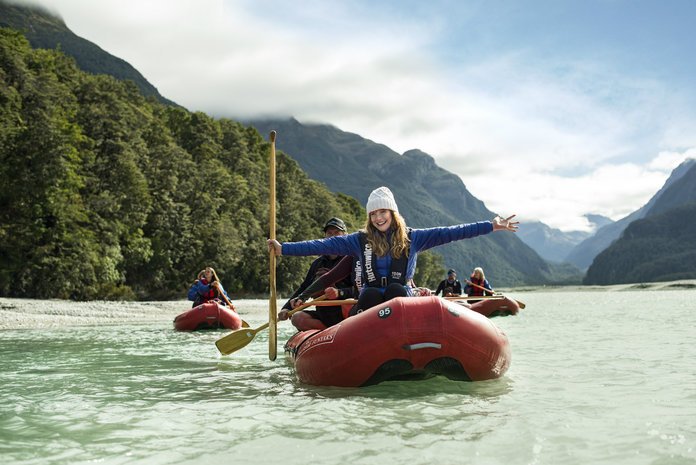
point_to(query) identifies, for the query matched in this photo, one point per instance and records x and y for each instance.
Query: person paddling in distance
(451, 286)
(321, 317)
(386, 248)
(206, 288)
(477, 284)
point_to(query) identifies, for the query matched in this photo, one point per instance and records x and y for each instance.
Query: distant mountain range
(553, 244)
(45, 30)
(659, 247)
(584, 253)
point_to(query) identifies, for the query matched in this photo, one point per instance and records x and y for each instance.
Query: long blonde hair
(480, 270)
(400, 243)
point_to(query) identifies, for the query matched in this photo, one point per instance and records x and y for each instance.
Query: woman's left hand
(505, 224)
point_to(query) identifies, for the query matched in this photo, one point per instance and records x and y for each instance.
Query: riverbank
(38, 314)
(684, 284)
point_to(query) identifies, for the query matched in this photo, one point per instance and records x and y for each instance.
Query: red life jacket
(475, 291)
(210, 295)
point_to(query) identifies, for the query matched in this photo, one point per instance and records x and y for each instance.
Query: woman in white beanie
(386, 248)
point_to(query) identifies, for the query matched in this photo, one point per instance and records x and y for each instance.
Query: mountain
(597, 221)
(656, 248)
(44, 29)
(552, 244)
(427, 196)
(659, 247)
(680, 192)
(583, 254)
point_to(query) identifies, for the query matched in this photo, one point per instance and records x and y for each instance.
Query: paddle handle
(272, 304)
(308, 304)
(479, 297)
(480, 287)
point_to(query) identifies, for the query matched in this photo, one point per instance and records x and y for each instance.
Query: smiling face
(208, 274)
(381, 219)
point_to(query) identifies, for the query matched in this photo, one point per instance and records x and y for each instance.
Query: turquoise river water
(596, 378)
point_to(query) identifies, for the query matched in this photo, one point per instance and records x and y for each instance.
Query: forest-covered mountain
(584, 253)
(659, 247)
(553, 244)
(46, 30)
(427, 195)
(107, 194)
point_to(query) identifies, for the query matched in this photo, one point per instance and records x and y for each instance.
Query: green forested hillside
(107, 194)
(656, 248)
(45, 30)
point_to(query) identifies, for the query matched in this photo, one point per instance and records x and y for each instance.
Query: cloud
(550, 139)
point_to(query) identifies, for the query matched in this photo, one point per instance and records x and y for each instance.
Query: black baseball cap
(335, 223)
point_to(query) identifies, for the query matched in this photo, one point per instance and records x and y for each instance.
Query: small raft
(404, 338)
(490, 308)
(210, 315)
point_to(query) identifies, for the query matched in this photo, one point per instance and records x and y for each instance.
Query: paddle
(478, 297)
(273, 302)
(521, 304)
(217, 280)
(241, 337)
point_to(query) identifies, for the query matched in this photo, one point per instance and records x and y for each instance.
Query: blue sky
(547, 109)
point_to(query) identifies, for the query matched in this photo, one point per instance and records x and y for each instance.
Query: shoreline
(682, 284)
(18, 313)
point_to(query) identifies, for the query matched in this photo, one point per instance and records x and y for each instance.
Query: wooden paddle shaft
(480, 287)
(272, 305)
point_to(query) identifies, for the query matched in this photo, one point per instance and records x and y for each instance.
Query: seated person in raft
(477, 285)
(321, 317)
(206, 288)
(450, 287)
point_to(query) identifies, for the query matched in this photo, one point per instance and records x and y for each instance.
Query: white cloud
(549, 141)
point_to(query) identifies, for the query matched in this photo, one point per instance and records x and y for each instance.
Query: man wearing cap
(322, 317)
(451, 286)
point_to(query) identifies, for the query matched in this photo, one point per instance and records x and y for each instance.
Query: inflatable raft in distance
(210, 315)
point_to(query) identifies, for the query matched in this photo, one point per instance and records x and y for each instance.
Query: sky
(549, 109)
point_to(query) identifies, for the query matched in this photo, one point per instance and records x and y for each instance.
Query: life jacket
(208, 296)
(368, 270)
(475, 291)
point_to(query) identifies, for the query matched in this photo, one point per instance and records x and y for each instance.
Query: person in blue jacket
(387, 249)
(206, 288)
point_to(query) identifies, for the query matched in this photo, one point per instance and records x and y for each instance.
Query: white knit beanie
(381, 198)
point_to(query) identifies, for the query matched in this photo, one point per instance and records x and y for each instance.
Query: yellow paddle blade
(237, 339)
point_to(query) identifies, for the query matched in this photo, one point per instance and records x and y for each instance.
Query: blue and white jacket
(421, 239)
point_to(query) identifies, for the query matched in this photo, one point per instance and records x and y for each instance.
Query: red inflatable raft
(210, 315)
(404, 338)
(496, 307)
